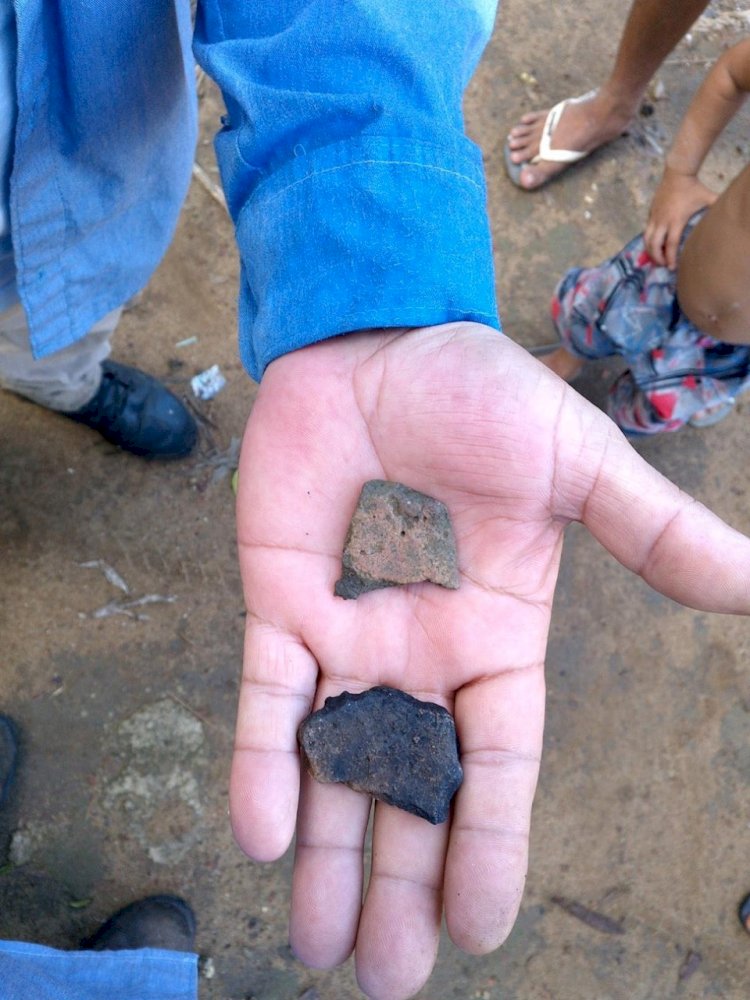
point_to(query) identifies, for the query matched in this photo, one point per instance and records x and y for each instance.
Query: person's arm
(356, 195)
(470, 418)
(358, 200)
(680, 193)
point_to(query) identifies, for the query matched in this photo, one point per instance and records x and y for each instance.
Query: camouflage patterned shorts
(676, 374)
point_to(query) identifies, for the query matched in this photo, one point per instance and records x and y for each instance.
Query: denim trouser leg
(33, 972)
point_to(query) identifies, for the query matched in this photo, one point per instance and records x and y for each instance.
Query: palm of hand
(462, 414)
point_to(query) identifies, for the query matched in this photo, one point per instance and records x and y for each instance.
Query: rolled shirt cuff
(380, 232)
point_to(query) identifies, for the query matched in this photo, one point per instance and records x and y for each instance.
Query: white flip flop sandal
(546, 153)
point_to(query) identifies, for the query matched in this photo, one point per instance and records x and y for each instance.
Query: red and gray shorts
(676, 374)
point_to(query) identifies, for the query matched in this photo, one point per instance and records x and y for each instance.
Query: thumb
(651, 526)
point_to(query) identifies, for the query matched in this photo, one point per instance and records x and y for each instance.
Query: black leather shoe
(136, 412)
(154, 922)
(8, 755)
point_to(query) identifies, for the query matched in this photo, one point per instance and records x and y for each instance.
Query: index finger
(653, 239)
(672, 243)
(278, 686)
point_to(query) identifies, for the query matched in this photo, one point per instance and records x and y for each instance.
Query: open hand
(678, 197)
(463, 414)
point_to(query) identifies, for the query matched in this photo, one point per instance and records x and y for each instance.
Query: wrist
(680, 168)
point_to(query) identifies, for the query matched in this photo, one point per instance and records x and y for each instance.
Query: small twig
(110, 573)
(189, 708)
(221, 463)
(692, 960)
(644, 137)
(200, 416)
(688, 62)
(213, 189)
(597, 921)
(123, 607)
(181, 634)
(200, 79)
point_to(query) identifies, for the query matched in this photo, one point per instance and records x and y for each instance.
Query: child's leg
(622, 307)
(575, 311)
(563, 363)
(665, 395)
(652, 29)
(713, 283)
(633, 413)
(626, 306)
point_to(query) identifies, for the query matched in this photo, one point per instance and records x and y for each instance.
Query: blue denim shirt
(357, 198)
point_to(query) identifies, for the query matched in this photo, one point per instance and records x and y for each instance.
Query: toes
(536, 176)
(517, 155)
(522, 148)
(523, 142)
(529, 125)
(520, 135)
(525, 128)
(528, 179)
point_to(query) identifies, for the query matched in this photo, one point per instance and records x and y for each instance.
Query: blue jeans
(33, 972)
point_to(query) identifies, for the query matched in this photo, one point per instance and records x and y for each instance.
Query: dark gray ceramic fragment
(397, 535)
(389, 745)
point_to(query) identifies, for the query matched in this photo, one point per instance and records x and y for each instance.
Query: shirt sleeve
(357, 198)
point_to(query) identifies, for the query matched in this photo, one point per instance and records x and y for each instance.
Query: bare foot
(563, 363)
(582, 127)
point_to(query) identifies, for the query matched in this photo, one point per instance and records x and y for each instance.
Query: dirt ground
(643, 809)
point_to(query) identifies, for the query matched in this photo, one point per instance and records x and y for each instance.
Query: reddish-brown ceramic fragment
(397, 536)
